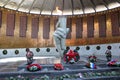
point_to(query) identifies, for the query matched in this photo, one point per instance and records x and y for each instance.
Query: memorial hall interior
(94, 28)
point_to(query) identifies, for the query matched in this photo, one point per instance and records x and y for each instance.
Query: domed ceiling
(60, 7)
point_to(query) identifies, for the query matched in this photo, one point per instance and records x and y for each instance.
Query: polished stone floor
(16, 67)
(11, 66)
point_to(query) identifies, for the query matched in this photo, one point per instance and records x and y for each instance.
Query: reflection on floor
(11, 64)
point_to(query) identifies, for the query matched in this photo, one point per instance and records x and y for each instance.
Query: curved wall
(20, 30)
(84, 52)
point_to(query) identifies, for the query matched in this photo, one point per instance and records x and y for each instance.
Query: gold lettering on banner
(50, 42)
(28, 32)
(96, 27)
(4, 22)
(84, 34)
(17, 25)
(40, 33)
(73, 33)
(108, 26)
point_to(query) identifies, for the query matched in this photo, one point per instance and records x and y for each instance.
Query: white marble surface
(83, 52)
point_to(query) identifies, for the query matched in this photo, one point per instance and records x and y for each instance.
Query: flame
(58, 11)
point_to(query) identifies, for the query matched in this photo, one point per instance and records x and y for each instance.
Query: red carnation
(58, 66)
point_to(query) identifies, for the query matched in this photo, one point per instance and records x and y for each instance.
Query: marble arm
(58, 24)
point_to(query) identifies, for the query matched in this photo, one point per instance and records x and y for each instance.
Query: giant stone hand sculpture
(60, 35)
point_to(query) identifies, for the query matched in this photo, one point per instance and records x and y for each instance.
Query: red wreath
(92, 58)
(71, 55)
(58, 66)
(37, 66)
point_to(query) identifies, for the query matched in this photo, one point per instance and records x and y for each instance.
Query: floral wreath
(92, 58)
(114, 63)
(34, 67)
(71, 55)
(58, 66)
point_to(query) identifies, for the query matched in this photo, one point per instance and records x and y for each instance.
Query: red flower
(112, 63)
(71, 55)
(58, 66)
(92, 58)
(34, 67)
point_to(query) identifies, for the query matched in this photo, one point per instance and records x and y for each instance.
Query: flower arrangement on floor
(92, 58)
(91, 62)
(71, 56)
(58, 66)
(113, 63)
(34, 67)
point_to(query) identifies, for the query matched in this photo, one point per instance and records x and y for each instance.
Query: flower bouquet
(58, 66)
(113, 63)
(92, 58)
(71, 56)
(34, 67)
